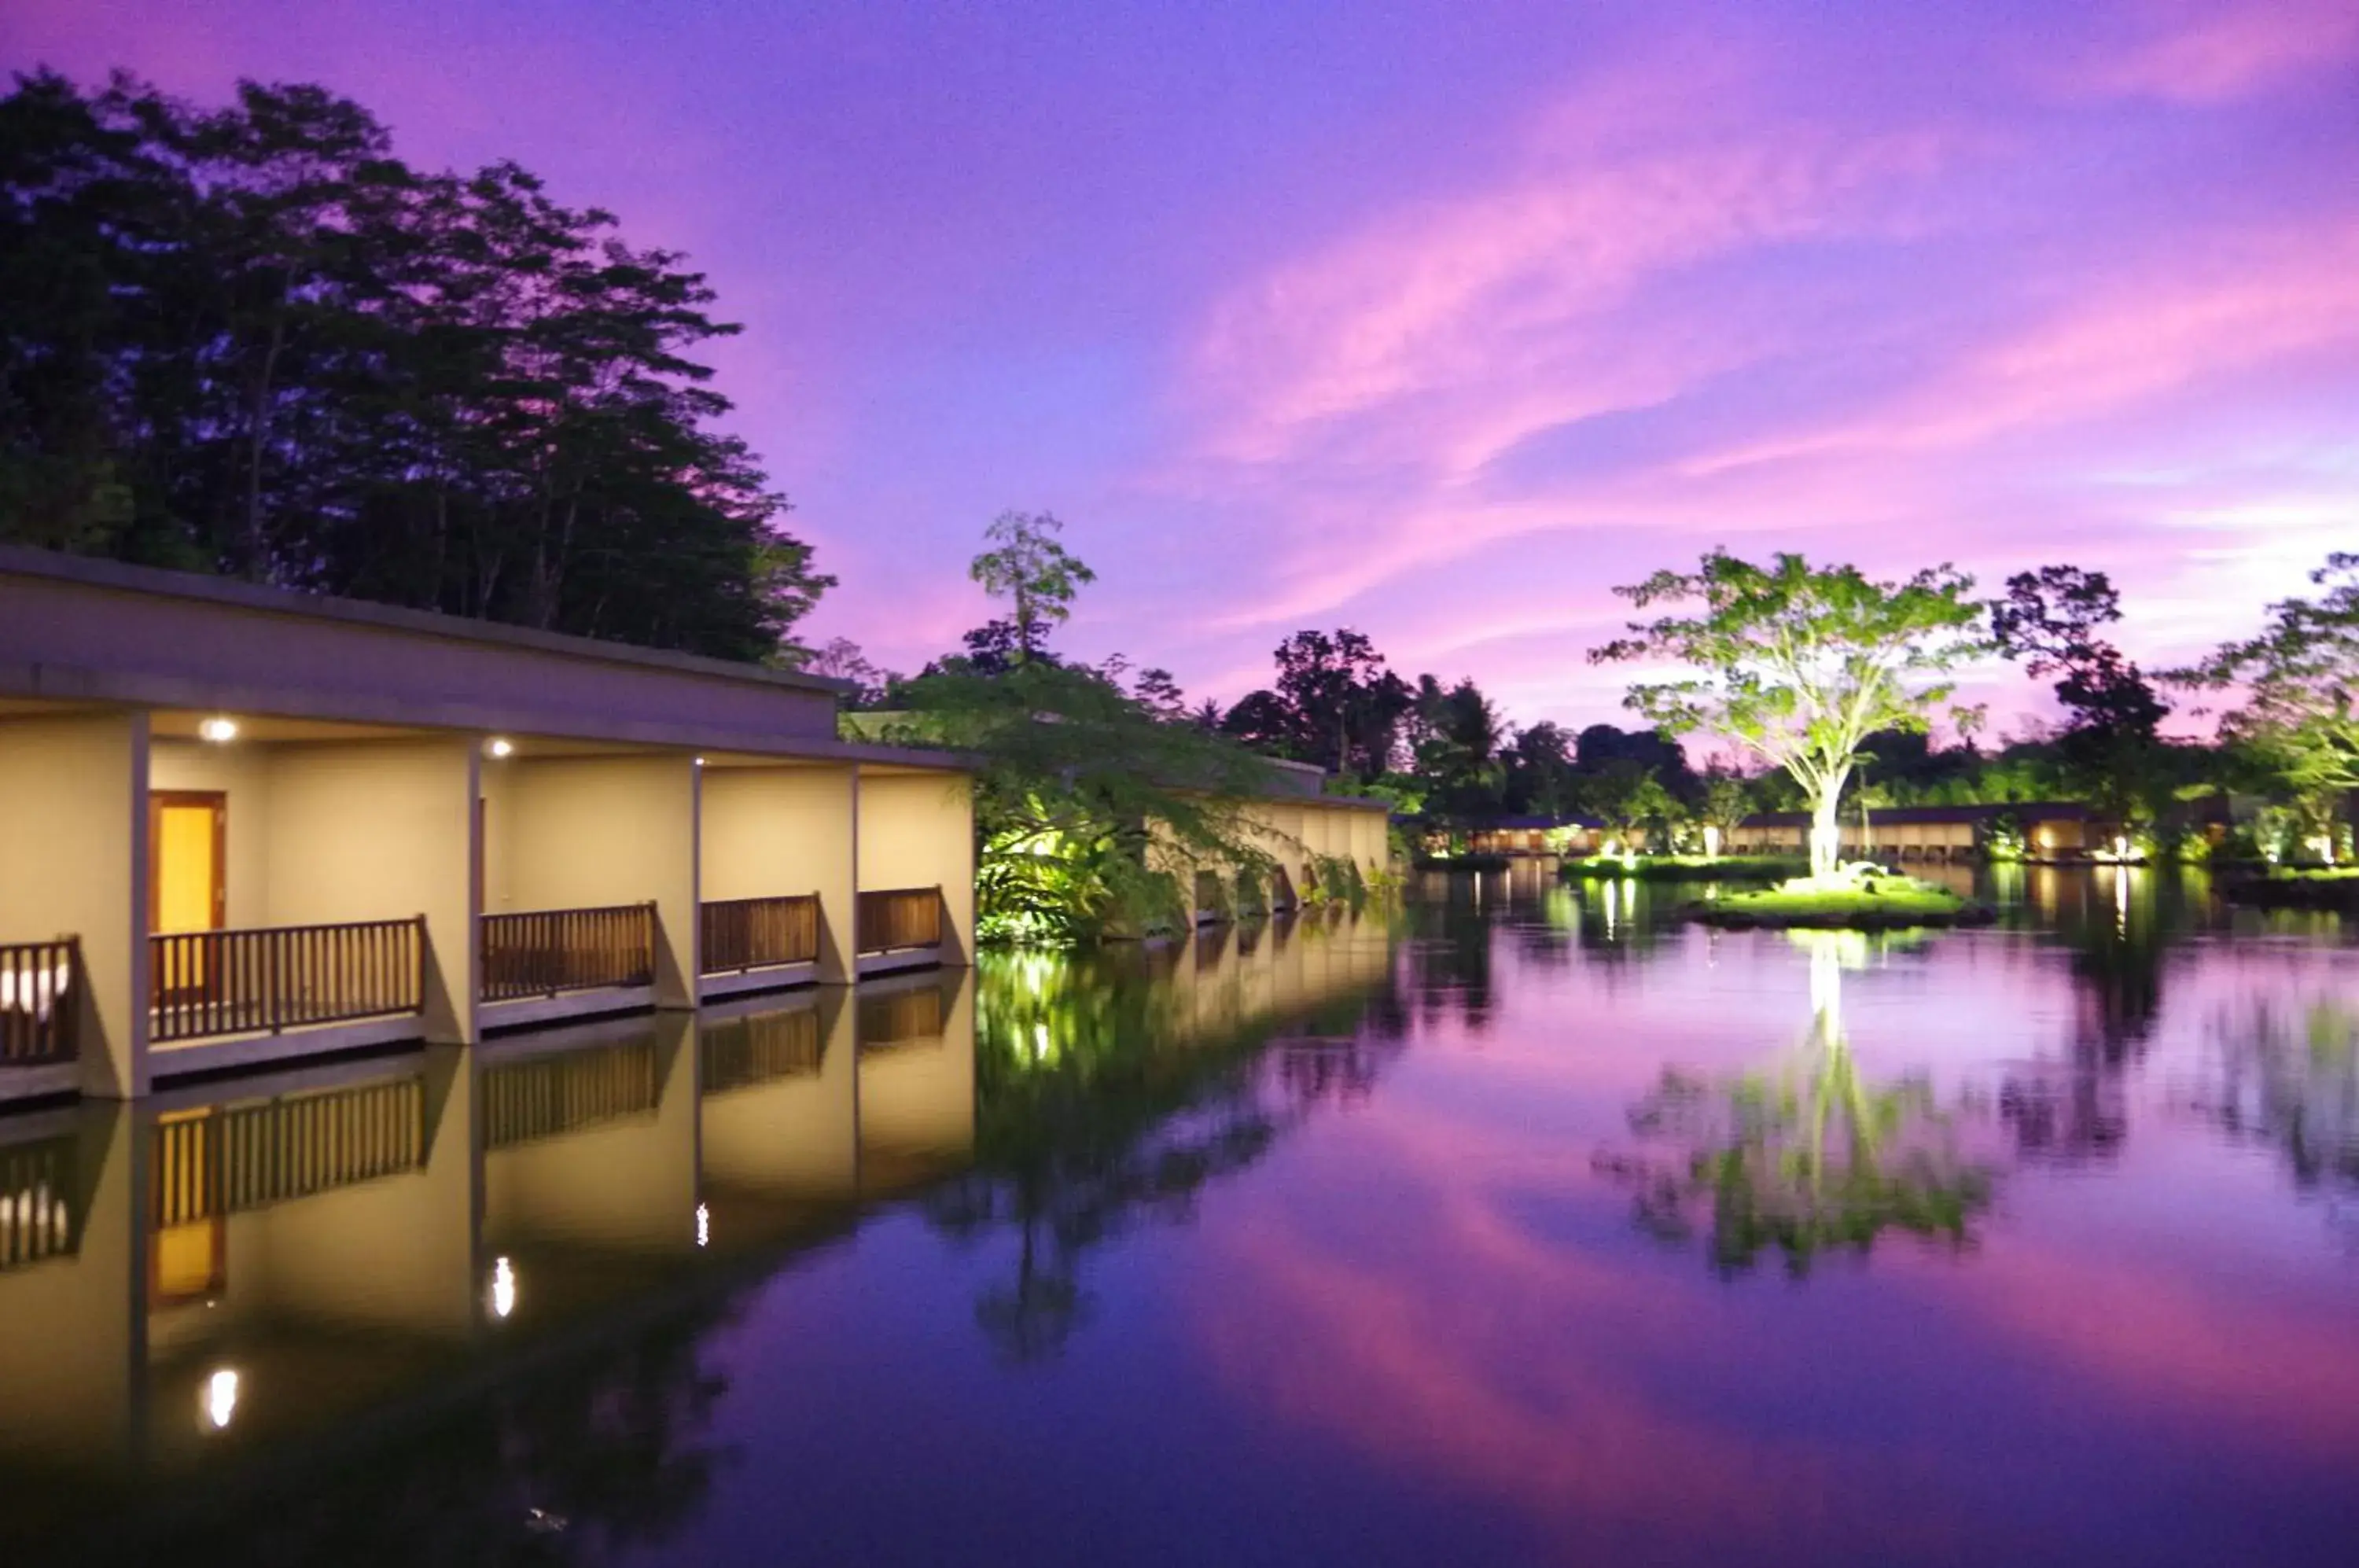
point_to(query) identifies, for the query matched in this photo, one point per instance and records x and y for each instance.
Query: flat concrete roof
(78, 632)
(22, 560)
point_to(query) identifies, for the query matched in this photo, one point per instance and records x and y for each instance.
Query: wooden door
(187, 885)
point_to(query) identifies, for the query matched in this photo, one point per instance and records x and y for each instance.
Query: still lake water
(1362, 1240)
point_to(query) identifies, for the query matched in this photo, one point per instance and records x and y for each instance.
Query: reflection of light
(220, 731)
(1710, 841)
(219, 1398)
(498, 747)
(504, 1288)
(1039, 1041)
(2122, 901)
(703, 1226)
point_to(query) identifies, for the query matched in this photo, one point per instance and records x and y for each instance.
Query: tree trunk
(1826, 831)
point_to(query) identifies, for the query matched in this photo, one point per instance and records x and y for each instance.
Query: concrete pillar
(570, 832)
(772, 830)
(74, 810)
(917, 830)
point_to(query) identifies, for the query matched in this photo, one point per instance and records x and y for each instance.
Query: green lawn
(1689, 867)
(1870, 903)
(2297, 888)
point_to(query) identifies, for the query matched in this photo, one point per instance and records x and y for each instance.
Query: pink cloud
(2207, 52)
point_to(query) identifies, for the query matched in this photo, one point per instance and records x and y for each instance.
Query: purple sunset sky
(1438, 319)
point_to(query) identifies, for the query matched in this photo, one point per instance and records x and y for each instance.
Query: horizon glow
(1441, 322)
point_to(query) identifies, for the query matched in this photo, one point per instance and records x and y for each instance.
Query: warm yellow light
(498, 746)
(700, 762)
(220, 1398)
(219, 729)
(504, 1288)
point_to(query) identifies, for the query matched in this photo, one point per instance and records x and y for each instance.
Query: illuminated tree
(1800, 664)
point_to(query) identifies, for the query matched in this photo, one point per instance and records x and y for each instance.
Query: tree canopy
(2049, 618)
(253, 340)
(2299, 681)
(1335, 703)
(1798, 664)
(1036, 575)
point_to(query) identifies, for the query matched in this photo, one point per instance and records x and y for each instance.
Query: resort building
(2046, 830)
(240, 825)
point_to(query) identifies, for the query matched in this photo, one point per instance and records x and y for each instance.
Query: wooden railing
(900, 918)
(547, 952)
(760, 1048)
(37, 1202)
(900, 1017)
(271, 978)
(40, 1002)
(240, 1158)
(547, 1095)
(737, 934)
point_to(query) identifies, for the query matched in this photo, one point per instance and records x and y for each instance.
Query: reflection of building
(916, 1041)
(249, 826)
(223, 1269)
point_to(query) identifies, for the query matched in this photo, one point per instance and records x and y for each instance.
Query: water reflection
(1115, 1088)
(220, 1282)
(2284, 1074)
(223, 1277)
(1305, 1209)
(1807, 1155)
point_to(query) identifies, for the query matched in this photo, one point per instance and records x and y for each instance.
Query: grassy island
(1856, 897)
(1686, 867)
(2297, 888)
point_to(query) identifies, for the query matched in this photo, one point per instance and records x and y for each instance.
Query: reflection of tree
(2289, 1077)
(2121, 925)
(1621, 919)
(1808, 1155)
(2067, 1112)
(1449, 959)
(1105, 1098)
(570, 1463)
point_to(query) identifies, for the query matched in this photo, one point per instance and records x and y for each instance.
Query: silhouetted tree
(253, 340)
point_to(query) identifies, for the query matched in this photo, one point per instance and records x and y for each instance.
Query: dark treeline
(1441, 751)
(251, 340)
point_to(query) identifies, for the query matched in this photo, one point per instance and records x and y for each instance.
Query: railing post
(274, 1007)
